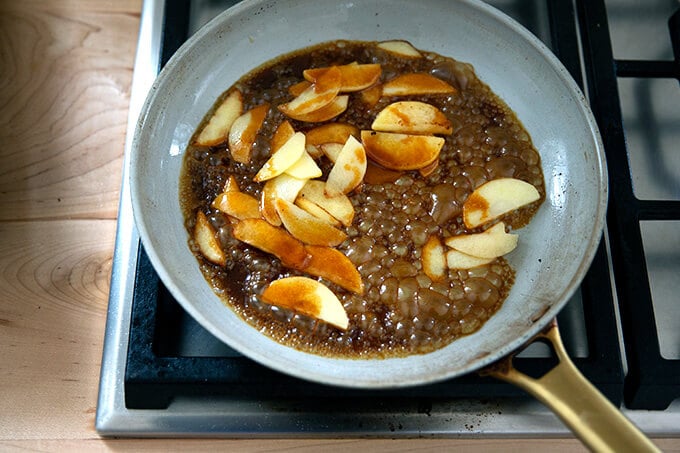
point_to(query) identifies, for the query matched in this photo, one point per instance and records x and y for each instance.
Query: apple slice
(429, 169)
(460, 260)
(306, 227)
(355, 77)
(243, 132)
(401, 48)
(401, 151)
(334, 266)
(304, 168)
(282, 134)
(276, 241)
(215, 132)
(339, 206)
(330, 111)
(298, 88)
(319, 94)
(283, 158)
(371, 96)
(317, 211)
(491, 243)
(331, 133)
(309, 297)
(237, 204)
(412, 117)
(206, 239)
(231, 185)
(434, 259)
(349, 168)
(496, 198)
(331, 150)
(416, 83)
(283, 187)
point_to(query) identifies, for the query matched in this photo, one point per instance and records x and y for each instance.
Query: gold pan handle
(591, 416)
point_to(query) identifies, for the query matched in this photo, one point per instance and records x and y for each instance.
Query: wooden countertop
(65, 72)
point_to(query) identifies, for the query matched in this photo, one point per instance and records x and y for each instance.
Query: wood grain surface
(65, 72)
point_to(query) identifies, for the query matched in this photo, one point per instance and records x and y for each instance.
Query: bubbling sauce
(402, 311)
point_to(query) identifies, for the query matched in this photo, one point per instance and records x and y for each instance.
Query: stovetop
(164, 375)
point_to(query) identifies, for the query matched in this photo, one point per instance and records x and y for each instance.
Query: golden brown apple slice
(276, 241)
(401, 48)
(416, 83)
(206, 239)
(306, 227)
(460, 260)
(412, 117)
(243, 132)
(217, 129)
(317, 211)
(332, 265)
(496, 198)
(304, 168)
(331, 133)
(285, 187)
(319, 94)
(355, 77)
(298, 88)
(283, 158)
(401, 151)
(491, 243)
(434, 259)
(309, 297)
(328, 112)
(349, 168)
(231, 185)
(371, 96)
(237, 204)
(282, 134)
(339, 206)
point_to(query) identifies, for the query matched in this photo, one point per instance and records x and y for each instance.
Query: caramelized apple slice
(401, 48)
(282, 134)
(328, 112)
(276, 241)
(434, 259)
(317, 211)
(332, 265)
(371, 96)
(285, 187)
(309, 297)
(331, 150)
(331, 133)
(496, 198)
(306, 227)
(416, 83)
(412, 117)
(339, 206)
(298, 88)
(206, 239)
(491, 243)
(237, 204)
(319, 94)
(231, 185)
(243, 132)
(401, 151)
(355, 77)
(304, 168)
(349, 168)
(460, 260)
(215, 132)
(283, 158)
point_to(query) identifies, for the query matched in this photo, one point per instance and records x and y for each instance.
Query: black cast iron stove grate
(159, 369)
